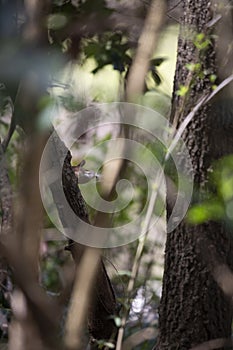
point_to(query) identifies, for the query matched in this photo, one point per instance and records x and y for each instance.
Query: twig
(146, 46)
(190, 116)
(175, 6)
(138, 257)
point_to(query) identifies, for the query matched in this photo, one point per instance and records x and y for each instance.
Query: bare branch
(80, 300)
(146, 46)
(190, 116)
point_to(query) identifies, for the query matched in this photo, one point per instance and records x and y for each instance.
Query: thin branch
(80, 299)
(137, 261)
(190, 116)
(175, 6)
(146, 46)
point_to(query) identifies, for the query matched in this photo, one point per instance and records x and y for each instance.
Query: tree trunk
(34, 40)
(195, 307)
(103, 303)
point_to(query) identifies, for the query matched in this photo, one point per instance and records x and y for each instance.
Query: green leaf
(200, 36)
(213, 77)
(183, 90)
(209, 210)
(192, 67)
(226, 188)
(223, 177)
(201, 42)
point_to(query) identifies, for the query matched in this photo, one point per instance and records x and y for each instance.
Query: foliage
(53, 259)
(99, 47)
(218, 206)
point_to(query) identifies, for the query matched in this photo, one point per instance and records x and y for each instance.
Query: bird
(84, 175)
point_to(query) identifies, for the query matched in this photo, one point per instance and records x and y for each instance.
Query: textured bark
(194, 308)
(103, 305)
(6, 228)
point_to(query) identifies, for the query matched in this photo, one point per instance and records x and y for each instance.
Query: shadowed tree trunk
(196, 307)
(33, 330)
(103, 305)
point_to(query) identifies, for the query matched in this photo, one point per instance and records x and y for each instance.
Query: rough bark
(103, 304)
(194, 306)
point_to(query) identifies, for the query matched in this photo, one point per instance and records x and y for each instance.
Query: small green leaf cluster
(183, 90)
(201, 41)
